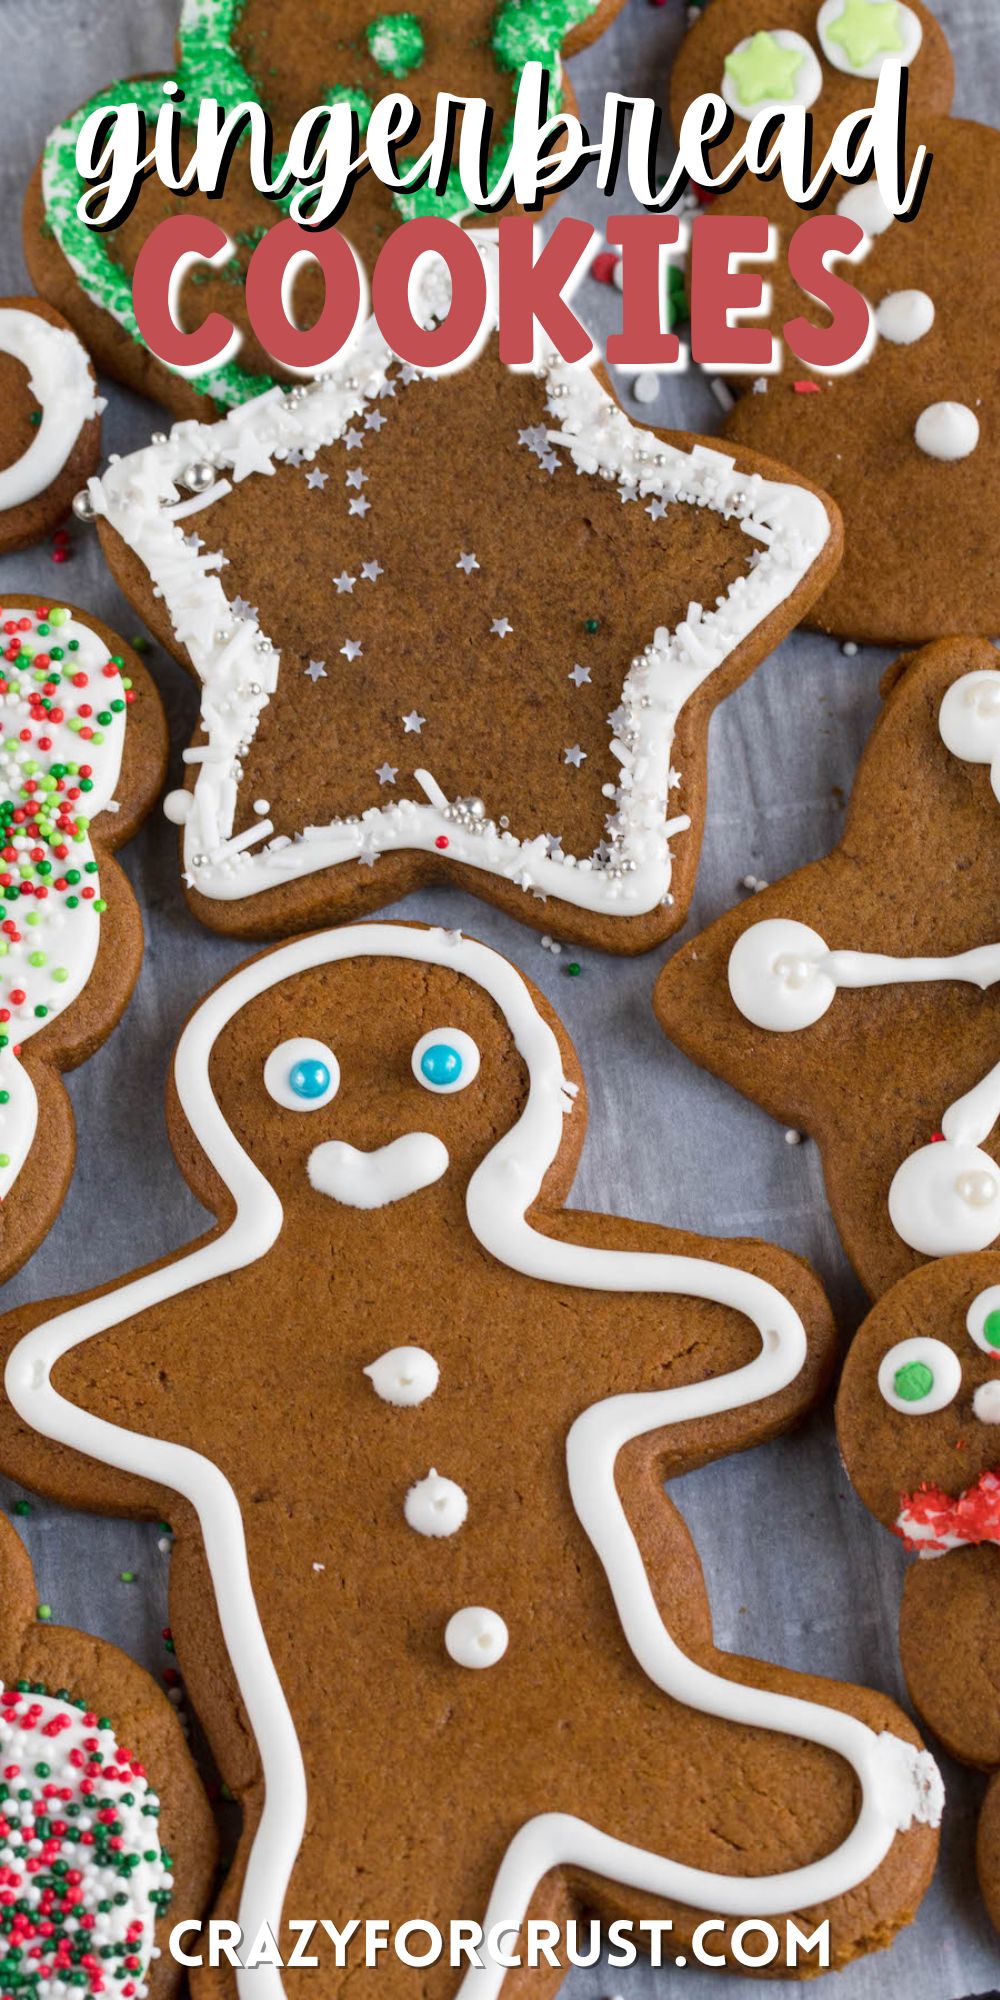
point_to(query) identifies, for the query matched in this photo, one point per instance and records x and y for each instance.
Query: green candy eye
(919, 1376)
(913, 1382)
(983, 1320)
(991, 1328)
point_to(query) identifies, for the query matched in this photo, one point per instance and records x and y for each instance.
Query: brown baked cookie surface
(421, 1535)
(917, 1417)
(98, 1777)
(82, 757)
(288, 55)
(50, 423)
(470, 628)
(887, 1065)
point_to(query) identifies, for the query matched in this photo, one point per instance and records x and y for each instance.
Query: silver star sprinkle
(344, 582)
(467, 563)
(578, 675)
(371, 571)
(574, 756)
(386, 774)
(316, 480)
(316, 670)
(501, 626)
(356, 478)
(353, 439)
(193, 541)
(351, 649)
(413, 723)
(374, 420)
(656, 509)
(241, 609)
(361, 506)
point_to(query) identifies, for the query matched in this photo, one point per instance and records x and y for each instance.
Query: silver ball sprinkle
(263, 644)
(158, 437)
(83, 506)
(198, 477)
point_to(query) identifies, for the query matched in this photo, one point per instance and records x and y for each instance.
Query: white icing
(897, 1784)
(63, 387)
(986, 1402)
(905, 317)
(371, 1180)
(625, 875)
(461, 1045)
(282, 1068)
(808, 77)
(945, 1199)
(948, 431)
(476, 1637)
(50, 955)
(975, 1319)
(42, 1727)
(435, 1506)
(865, 206)
(910, 30)
(404, 1376)
(969, 721)
(178, 807)
(944, 1366)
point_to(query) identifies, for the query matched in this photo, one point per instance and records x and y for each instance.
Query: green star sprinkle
(866, 29)
(396, 43)
(764, 72)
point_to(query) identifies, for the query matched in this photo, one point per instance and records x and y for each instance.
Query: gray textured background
(796, 1569)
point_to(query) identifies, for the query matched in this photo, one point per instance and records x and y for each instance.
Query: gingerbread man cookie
(83, 748)
(503, 679)
(453, 1515)
(96, 1864)
(917, 1418)
(905, 442)
(857, 999)
(50, 420)
(288, 55)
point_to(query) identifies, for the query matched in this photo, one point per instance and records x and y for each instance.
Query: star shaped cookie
(533, 706)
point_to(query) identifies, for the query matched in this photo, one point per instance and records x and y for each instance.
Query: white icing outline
(898, 1783)
(238, 666)
(63, 386)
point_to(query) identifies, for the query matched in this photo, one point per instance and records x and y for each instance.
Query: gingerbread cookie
(454, 1515)
(82, 757)
(503, 679)
(120, 1842)
(857, 999)
(823, 55)
(50, 421)
(917, 1418)
(289, 55)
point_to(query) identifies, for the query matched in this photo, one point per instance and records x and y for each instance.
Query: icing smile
(371, 1180)
(931, 1522)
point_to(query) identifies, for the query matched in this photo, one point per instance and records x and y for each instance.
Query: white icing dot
(476, 1637)
(947, 430)
(986, 1402)
(435, 1505)
(178, 807)
(865, 205)
(918, 1377)
(945, 1200)
(904, 317)
(261, 806)
(404, 1376)
(646, 386)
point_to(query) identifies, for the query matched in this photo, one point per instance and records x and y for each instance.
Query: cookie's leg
(988, 1850)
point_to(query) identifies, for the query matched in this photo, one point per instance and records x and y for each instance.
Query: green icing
(208, 66)
(913, 1382)
(866, 29)
(396, 43)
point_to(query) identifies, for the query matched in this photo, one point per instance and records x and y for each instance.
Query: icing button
(476, 1637)
(948, 431)
(986, 1402)
(404, 1376)
(435, 1506)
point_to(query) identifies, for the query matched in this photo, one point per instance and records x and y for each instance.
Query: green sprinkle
(591, 624)
(44, 1613)
(395, 43)
(991, 1328)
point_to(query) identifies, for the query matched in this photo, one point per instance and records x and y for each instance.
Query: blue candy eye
(446, 1059)
(310, 1078)
(302, 1074)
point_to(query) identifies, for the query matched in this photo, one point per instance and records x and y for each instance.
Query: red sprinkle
(806, 388)
(442, 840)
(603, 267)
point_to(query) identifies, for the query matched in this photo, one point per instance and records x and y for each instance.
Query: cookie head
(918, 1414)
(367, 1077)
